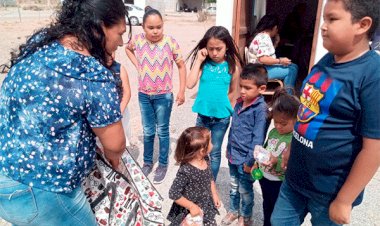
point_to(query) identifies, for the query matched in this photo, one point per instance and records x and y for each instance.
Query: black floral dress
(195, 185)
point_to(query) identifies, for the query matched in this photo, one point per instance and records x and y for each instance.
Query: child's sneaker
(229, 218)
(159, 174)
(245, 221)
(147, 169)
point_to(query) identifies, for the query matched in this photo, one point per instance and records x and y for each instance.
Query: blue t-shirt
(49, 102)
(340, 106)
(212, 99)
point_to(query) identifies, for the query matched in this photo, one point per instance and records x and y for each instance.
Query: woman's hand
(284, 61)
(195, 210)
(112, 139)
(202, 54)
(114, 163)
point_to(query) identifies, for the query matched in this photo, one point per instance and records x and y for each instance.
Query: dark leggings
(270, 190)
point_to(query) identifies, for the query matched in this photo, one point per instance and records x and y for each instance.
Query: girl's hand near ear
(202, 54)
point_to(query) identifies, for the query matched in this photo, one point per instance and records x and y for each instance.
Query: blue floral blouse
(49, 102)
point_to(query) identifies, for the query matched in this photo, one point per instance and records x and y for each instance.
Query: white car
(211, 10)
(135, 14)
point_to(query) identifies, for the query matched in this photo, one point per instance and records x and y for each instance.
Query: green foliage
(211, 1)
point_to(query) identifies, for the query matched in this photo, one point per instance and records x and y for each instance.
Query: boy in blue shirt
(336, 139)
(248, 128)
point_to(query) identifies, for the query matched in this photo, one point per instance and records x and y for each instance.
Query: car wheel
(134, 21)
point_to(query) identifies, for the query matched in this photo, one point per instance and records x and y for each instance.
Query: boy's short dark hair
(255, 72)
(360, 9)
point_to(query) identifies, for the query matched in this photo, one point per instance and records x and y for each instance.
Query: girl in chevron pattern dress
(153, 54)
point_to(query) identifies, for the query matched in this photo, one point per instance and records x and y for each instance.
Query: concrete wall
(171, 5)
(163, 5)
(320, 50)
(140, 3)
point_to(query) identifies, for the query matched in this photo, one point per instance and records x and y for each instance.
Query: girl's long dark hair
(82, 19)
(221, 33)
(284, 103)
(190, 142)
(267, 22)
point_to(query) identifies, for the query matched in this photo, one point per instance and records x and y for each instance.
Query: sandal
(245, 221)
(229, 218)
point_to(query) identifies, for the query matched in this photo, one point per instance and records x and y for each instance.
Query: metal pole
(19, 13)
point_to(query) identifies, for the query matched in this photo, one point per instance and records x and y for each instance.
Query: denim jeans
(24, 205)
(291, 208)
(155, 115)
(241, 190)
(218, 128)
(286, 73)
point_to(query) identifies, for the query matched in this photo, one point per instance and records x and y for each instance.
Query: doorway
(297, 28)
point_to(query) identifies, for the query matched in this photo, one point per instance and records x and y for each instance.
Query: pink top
(155, 63)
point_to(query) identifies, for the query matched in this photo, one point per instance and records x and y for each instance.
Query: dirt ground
(188, 31)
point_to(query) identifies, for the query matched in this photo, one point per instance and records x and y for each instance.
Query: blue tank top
(212, 99)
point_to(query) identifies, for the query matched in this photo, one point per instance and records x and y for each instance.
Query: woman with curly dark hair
(57, 97)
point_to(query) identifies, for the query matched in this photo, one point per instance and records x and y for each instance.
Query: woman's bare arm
(126, 89)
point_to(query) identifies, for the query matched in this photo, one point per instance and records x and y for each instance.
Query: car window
(138, 8)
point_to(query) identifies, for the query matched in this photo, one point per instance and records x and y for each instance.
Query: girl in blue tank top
(214, 63)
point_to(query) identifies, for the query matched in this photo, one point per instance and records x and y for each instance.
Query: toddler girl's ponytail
(284, 103)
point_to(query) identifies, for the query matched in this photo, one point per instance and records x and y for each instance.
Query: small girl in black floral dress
(193, 190)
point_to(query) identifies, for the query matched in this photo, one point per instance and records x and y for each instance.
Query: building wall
(163, 5)
(140, 3)
(224, 14)
(157, 4)
(320, 50)
(171, 5)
